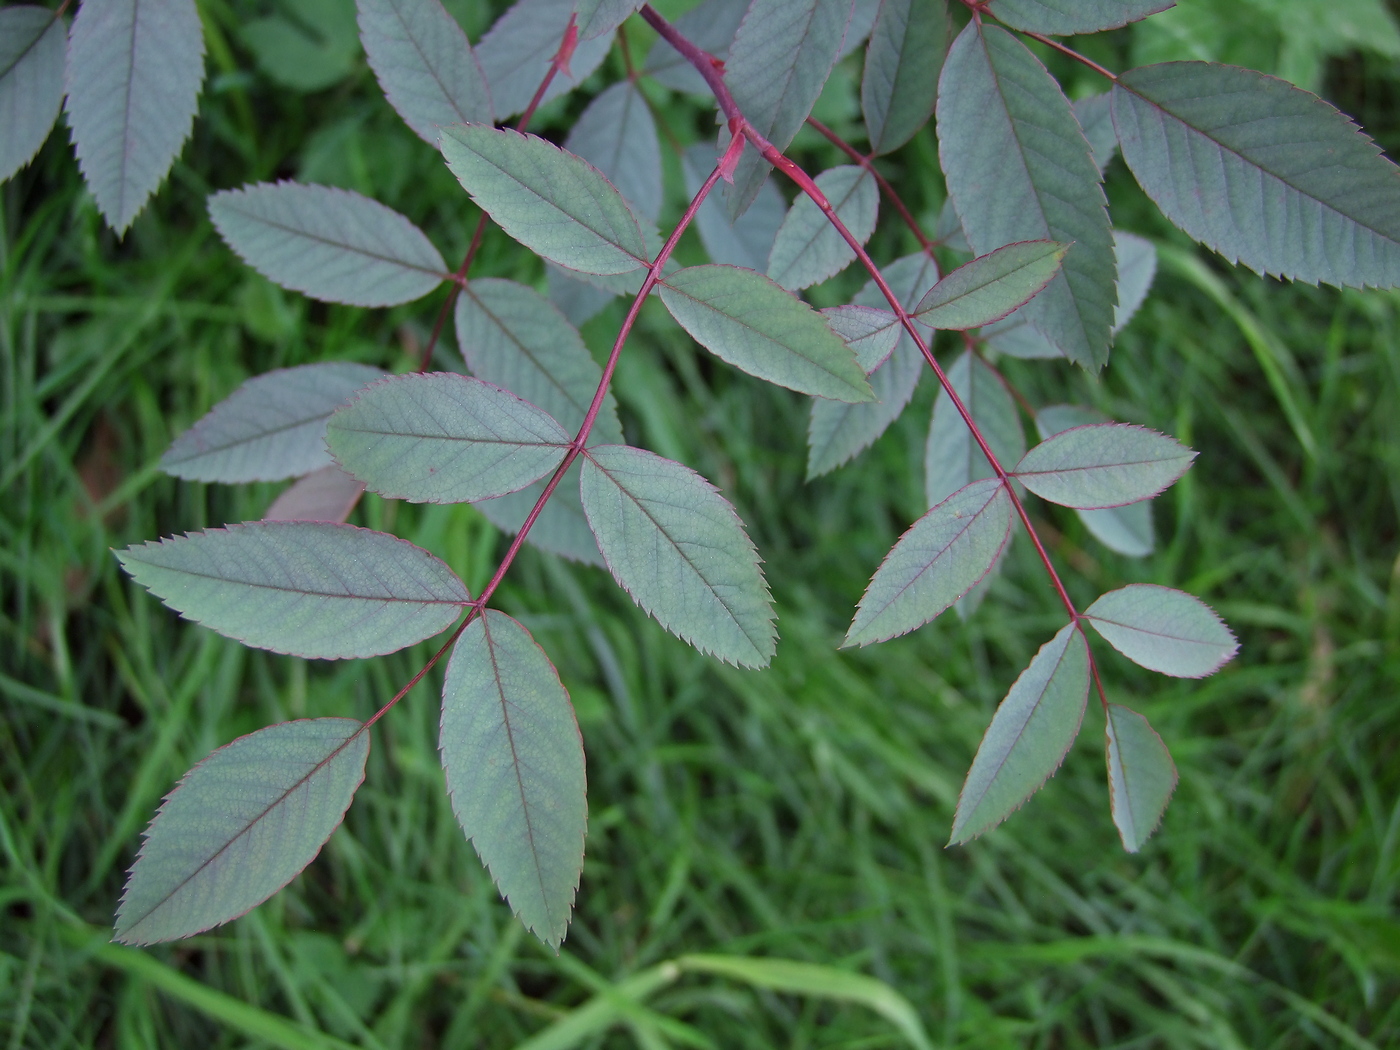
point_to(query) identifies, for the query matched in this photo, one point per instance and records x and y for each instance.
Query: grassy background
(798, 812)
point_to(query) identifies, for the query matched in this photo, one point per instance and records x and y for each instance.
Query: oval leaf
(331, 244)
(991, 286)
(870, 333)
(424, 64)
(444, 438)
(1141, 776)
(1262, 172)
(552, 202)
(1128, 529)
(899, 86)
(518, 49)
(935, 563)
(32, 49)
(241, 825)
(271, 427)
(1029, 736)
(513, 756)
(1066, 17)
(616, 134)
(757, 326)
(1105, 465)
(305, 588)
(328, 494)
(1164, 630)
(677, 547)
(951, 457)
(134, 71)
(808, 249)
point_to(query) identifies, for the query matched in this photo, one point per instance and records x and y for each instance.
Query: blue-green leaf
(1095, 116)
(598, 17)
(1164, 630)
(1262, 172)
(899, 86)
(517, 51)
(739, 242)
(1137, 266)
(1029, 735)
(513, 756)
(870, 333)
(309, 589)
(444, 438)
(1141, 776)
(677, 546)
(1104, 465)
(991, 286)
(561, 527)
(616, 134)
(1066, 17)
(331, 244)
(935, 563)
(32, 49)
(241, 825)
(808, 249)
(951, 457)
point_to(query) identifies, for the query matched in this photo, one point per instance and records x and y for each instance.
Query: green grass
(798, 813)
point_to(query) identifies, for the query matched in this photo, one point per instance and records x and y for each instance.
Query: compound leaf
(1164, 630)
(1066, 17)
(710, 26)
(754, 324)
(991, 286)
(1127, 529)
(1029, 735)
(561, 528)
(241, 825)
(679, 549)
(444, 438)
(1137, 267)
(599, 17)
(312, 589)
(1103, 465)
(513, 756)
(516, 53)
(328, 494)
(424, 64)
(616, 134)
(271, 427)
(1018, 169)
(1141, 776)
(742, 242)
(134, 72)
(935, 563)
(951, 457)
(33, 44)
(331, 244)
(808, 249)
(549, 200)
(899, 86)
(870, 333)
(1262, 172)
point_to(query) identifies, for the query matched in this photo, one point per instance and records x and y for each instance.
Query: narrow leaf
(1095, 116)
(1066, 17)
(616, 134)
(900, 84)
(424, 64)
(1029, 735)
(32, 47)
(552, 202)
(517, 51)
(991, 286)
(1127, 529)
(271, 427)
(328, 494)
(677, 547)
(134, 72)
(304, 588)
(560, 529)
(710, 26)
(757, 326)
(600, 17)
(808, 249)
(1262, 172)
(1141, 776)
(1106, 465)
(241, 825)
(1137, 266)
(870, 333)
(1018, 169)
(444, 438)
(743, 242)
(331, 244)
(951, 457)
(1163, 630)
(935, 563)
(513, 756)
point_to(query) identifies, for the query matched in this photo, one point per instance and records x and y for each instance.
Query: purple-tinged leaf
(32, 48)
(424, 65)
(1141, 776)
(1067, 17)
(991, 286)
(1104, 465)
(444, 438)
(310, 589)
(1029, 735)
(1164, 630)
(1018, 169)
(241, 825)
(573, 296)
(743, 242)
(561, 527)
(134, 72)
(870, 333)
(513, 756)
(746, 319)
(1095, 116)
(1015, 336)
(617, 135)
(935, 563)
(331, 244)
(900, 84)
(1128, 529)
(808, 249)
(599, 17)
(549, 200)
(1137, 266)
(328, 494)
(710, 26)
(516, 53)
(952, 458)
(1262, 172)
(679, 549)
(271, 427)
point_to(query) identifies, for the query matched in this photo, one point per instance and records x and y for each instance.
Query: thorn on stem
(566, 47)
